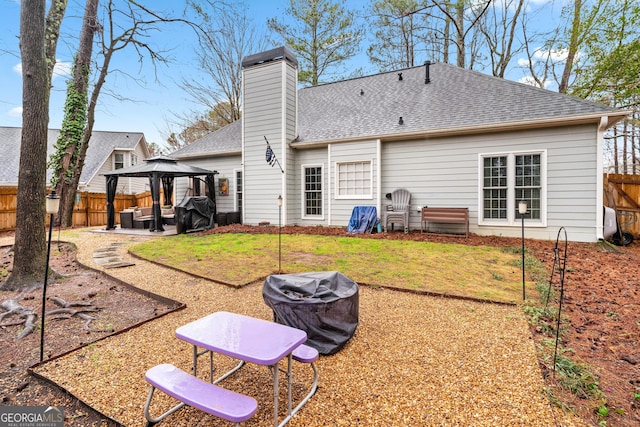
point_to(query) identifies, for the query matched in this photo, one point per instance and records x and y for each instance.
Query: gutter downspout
(329, 185)
(379, 177)
(600, 178)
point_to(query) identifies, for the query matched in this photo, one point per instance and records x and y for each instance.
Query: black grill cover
(195, 213)
(324, 304)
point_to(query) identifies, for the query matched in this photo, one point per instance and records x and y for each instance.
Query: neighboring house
(107, 151)
(451, 136)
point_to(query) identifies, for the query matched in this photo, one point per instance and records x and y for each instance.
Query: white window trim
(124, 160)
(338, 196)
(322, 192)
(512, 218)
(235, 189)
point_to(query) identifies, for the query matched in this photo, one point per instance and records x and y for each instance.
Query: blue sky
(150, 104)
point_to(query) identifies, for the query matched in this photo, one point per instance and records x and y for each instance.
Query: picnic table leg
(275, 395)
(289, 383)
(150, 420)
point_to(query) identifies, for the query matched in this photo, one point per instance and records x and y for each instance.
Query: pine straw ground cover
(414, 360)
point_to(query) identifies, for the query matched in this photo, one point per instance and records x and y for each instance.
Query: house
(107, 151)
(451, 136)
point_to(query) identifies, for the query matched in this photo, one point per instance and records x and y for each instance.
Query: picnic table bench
(446, 216)
(193, 391)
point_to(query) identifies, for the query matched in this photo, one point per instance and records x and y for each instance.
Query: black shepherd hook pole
(561, 260)
(271, 157)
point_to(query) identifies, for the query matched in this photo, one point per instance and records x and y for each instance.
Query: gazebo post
(155, 196)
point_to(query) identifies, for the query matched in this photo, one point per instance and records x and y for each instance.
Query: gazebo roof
(160, 165)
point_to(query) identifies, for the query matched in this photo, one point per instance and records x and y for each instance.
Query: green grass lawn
(456, 269)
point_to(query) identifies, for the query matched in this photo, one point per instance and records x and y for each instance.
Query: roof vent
(399, 76)
(427, 80)
(361, 92)
(400, 122)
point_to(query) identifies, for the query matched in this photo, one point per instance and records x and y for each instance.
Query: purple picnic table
(247, 339)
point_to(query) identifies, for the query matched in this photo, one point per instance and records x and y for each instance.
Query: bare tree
(500, 28)
(64, 160)
(127, 27)
(456, 14)
(229, 37)
(398, 34)
(37, 50)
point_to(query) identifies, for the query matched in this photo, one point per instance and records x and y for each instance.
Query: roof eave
(207, 155)
(612, 119)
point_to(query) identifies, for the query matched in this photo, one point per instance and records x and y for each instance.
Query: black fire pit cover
(324, 304)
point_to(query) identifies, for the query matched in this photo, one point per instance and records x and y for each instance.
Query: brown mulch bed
(602, 302)
(117, 307)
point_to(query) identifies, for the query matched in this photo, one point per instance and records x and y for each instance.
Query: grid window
(528, 183)
(508, 179)
(354, 179)
(239, 189)
(495, 187)
(313, 191)
(118, 159)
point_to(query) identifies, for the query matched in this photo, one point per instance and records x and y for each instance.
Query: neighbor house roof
(101, 145)
(226, 140)
(455, 100)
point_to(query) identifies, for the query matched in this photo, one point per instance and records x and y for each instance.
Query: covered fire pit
(324, 304)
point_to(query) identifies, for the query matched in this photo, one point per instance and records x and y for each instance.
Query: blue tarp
(363, 219)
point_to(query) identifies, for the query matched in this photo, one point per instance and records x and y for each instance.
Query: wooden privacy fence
(90, 208)
(622, 192)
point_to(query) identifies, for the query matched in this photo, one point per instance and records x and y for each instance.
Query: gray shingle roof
(455, 98)
(224, 140)
(100, 148)
(370, 107)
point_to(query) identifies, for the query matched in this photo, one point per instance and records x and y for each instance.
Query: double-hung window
(354, 180)
(312, 190)
(118, 160)
(506, 180)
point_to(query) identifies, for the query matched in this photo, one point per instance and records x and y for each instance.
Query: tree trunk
(29, 248)
(573, 47)
(77, 116)
(52, 32)
(460, 35)
(86, 136)
(446, 39)
(38, 41)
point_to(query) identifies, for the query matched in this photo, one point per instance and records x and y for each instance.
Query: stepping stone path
(109, 257)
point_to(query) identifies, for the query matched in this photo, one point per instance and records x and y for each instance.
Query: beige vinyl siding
(290, 164)
(315, 157)
(97, 184)
(225, 165)
(264, 115)
(341, 207)
(444, 172)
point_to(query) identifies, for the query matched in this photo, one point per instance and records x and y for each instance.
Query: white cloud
(61, 69)
(528, 80)
(15, 112)
(556, 55)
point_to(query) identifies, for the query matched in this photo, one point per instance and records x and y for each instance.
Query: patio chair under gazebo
(158, 169)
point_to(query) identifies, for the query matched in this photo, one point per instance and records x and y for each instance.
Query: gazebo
(158, 169)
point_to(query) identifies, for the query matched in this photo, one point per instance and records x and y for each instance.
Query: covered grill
(324, 304)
